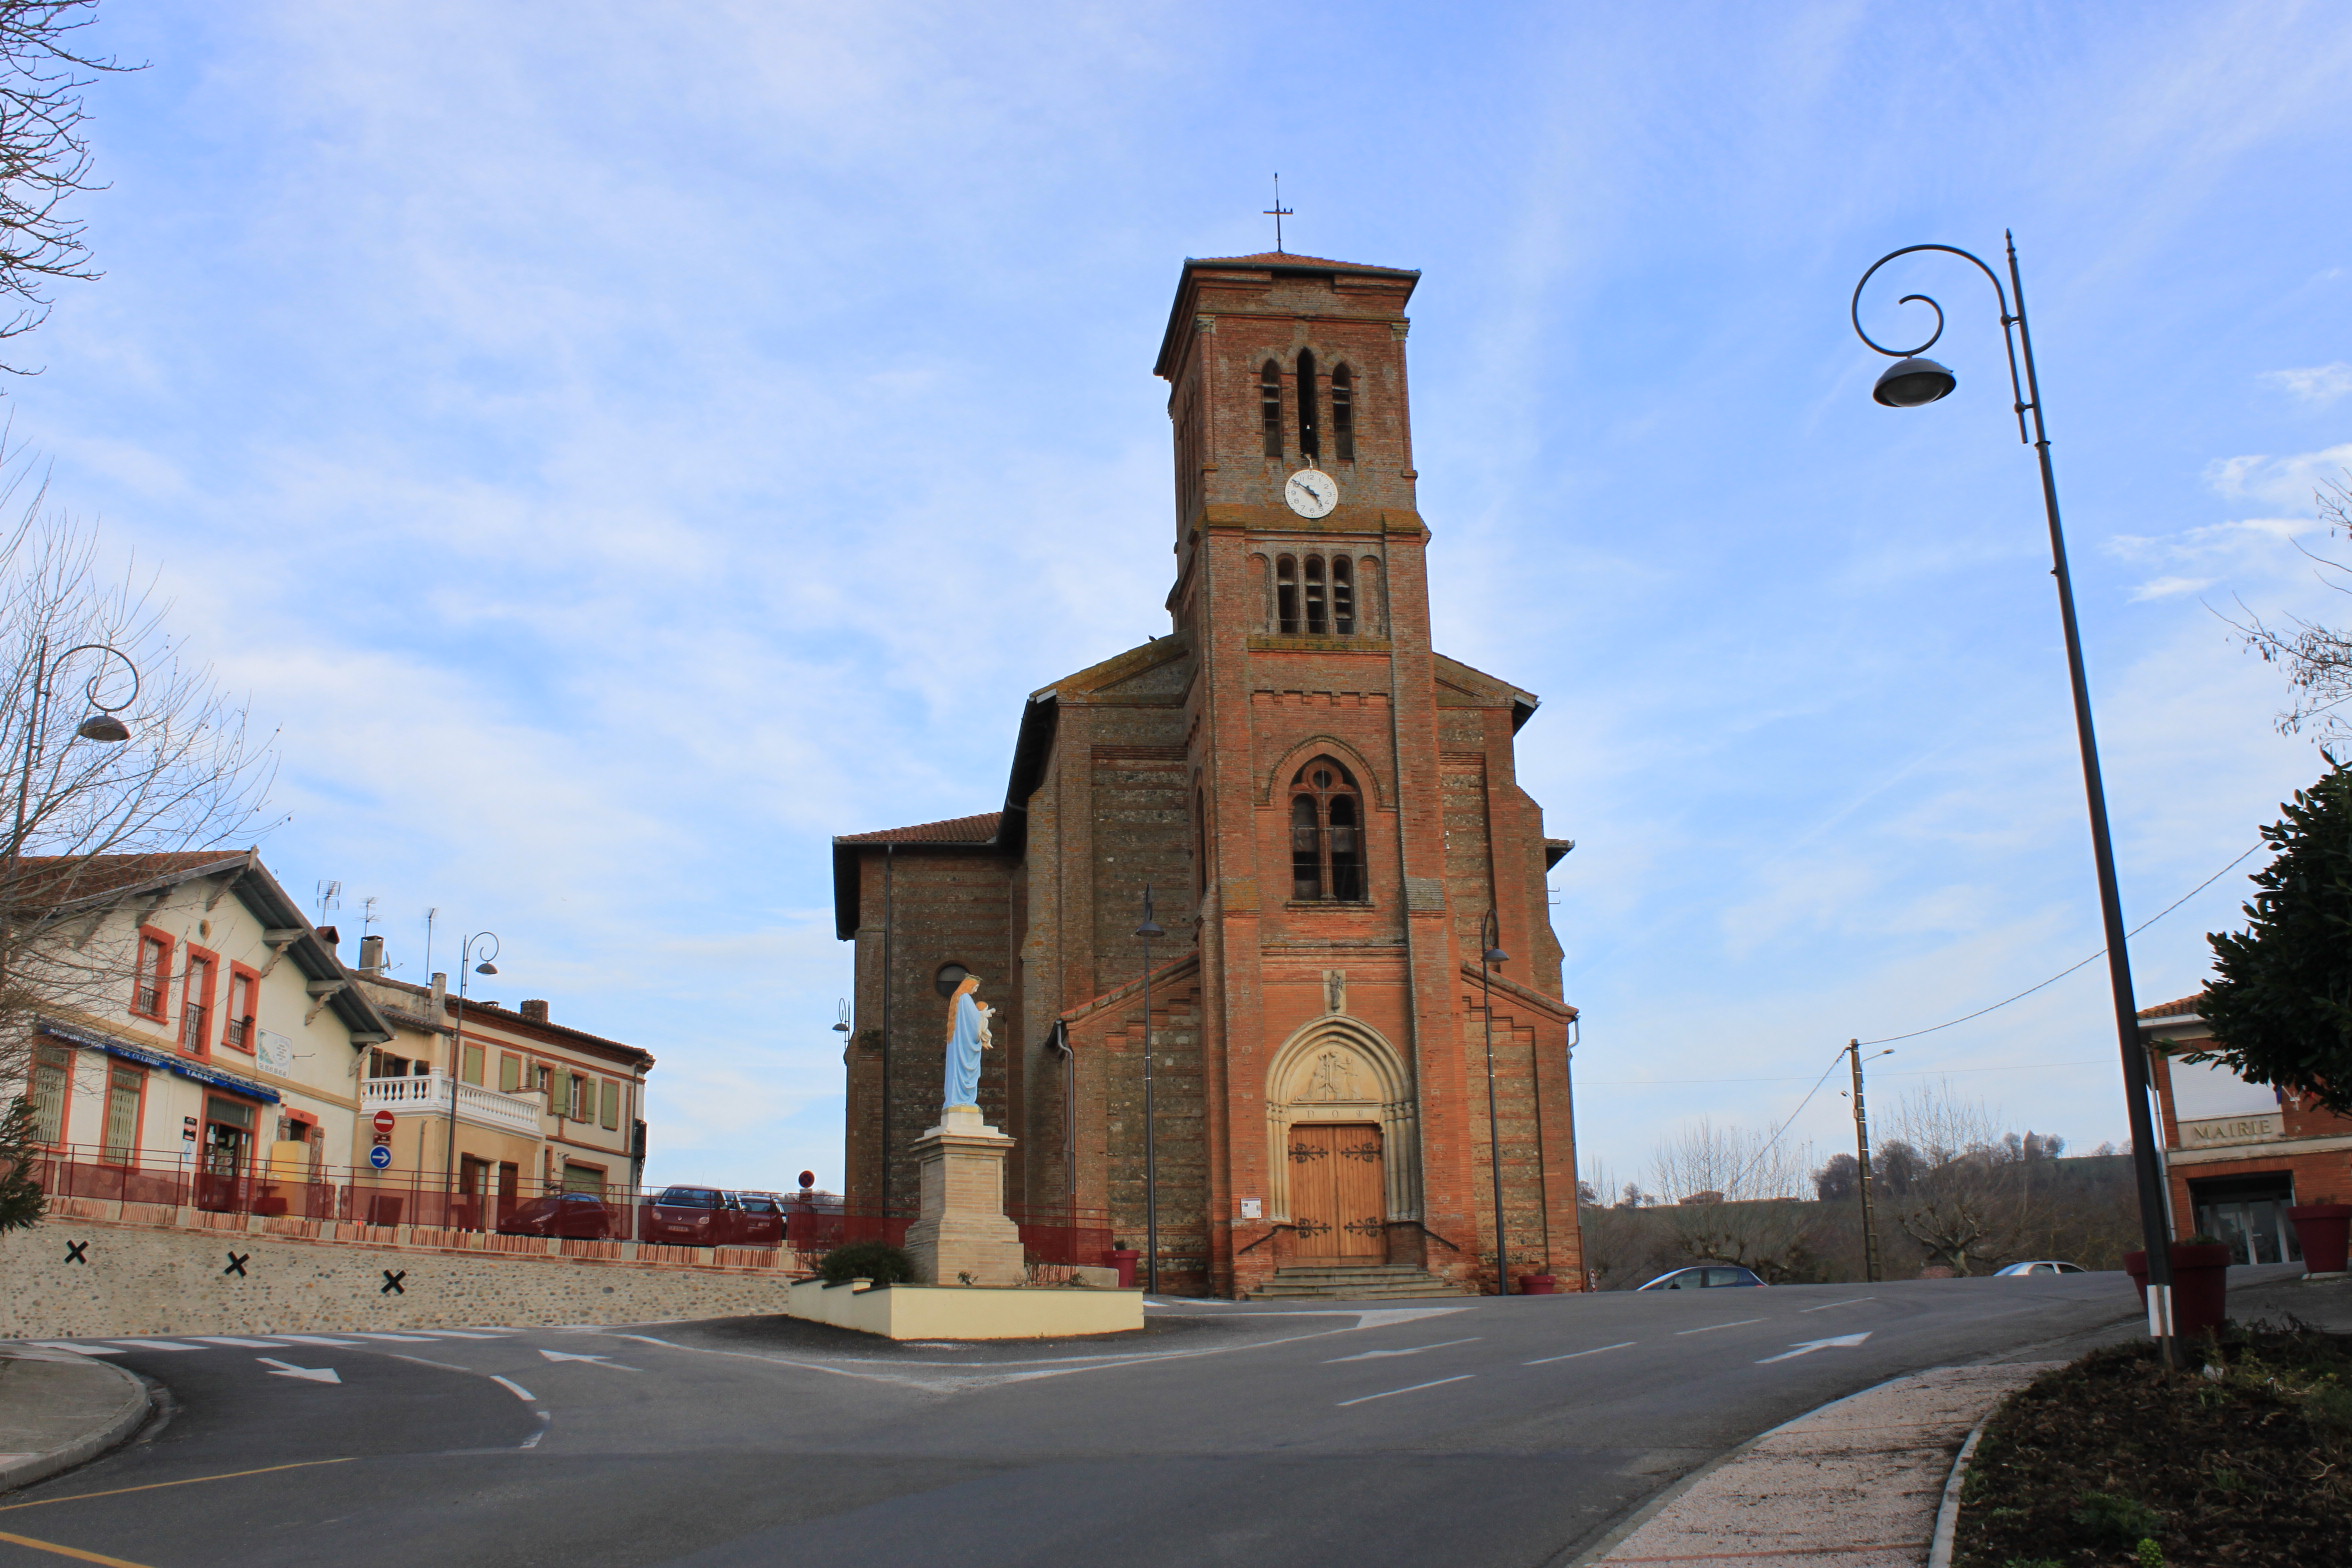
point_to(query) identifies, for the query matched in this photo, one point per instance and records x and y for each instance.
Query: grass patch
(2111, 1462)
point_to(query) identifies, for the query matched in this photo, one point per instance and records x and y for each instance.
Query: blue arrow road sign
(379, 1156)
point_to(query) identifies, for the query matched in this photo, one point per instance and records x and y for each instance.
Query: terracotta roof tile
(955, 830)
(1284, 258)
(2186, 1007)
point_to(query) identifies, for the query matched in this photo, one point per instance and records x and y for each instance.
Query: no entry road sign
(383, 1121)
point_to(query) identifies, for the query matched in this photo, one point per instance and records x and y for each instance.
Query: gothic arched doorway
(1340, 1131)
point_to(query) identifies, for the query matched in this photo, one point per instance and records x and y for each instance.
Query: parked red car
(712, 1217)
(577, 1216)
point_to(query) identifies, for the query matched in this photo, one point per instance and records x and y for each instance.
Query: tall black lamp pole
(1491, 935)
(1908, 383)
(1150, 931)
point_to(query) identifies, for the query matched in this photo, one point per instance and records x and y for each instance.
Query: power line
(2070, 969)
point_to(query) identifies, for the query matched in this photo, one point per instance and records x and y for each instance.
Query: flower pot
(1123, 1259)
(1538, 1285)
(2200, 1285)
(2323, 1229)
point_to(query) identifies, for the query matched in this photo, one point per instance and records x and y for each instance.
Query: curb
(1947, 1525)
(1673, 1492)
(137, 1405)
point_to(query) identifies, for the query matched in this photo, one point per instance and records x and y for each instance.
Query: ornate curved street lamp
(101, 725)
(1909, 383)
(465, 958)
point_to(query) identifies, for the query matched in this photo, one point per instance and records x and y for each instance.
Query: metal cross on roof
(1278, 212)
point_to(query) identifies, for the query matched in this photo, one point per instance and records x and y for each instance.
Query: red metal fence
(810, 1226)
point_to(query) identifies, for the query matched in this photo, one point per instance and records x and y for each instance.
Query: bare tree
(84, 813)
(1734, 1196)
(2317, 657)
(44, 152)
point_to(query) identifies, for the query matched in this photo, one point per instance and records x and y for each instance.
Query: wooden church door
(1338, 1191)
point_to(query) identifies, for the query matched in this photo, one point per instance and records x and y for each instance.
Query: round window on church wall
(950, 976)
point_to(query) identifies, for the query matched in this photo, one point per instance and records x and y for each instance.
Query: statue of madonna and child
(969, 1025)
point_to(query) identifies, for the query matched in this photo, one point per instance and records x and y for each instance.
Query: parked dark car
(691, 1217)
(1708, 1277)
(759, 1220)
(577, 1216)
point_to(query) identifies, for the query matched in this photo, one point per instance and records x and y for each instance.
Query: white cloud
(2321, 384)
(2282, 481)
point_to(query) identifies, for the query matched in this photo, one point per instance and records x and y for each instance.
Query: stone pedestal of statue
(961, 1235)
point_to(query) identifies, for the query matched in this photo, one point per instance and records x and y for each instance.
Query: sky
(619, 447)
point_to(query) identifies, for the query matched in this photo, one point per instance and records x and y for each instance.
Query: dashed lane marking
(155, 1344)
(514, 1388)
(1826, 1305)
(1712, 1327)
(1375, 1355)
(79, 1350)
(241, 1344)
(320, 1339)
(412, 1339)
(1415, 1389)
(1573, 1354)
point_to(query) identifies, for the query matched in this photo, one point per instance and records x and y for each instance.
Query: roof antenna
(1278, 212)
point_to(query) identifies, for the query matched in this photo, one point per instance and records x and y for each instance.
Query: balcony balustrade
(429, 1095)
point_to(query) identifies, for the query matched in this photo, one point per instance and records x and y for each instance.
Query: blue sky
(623, 446)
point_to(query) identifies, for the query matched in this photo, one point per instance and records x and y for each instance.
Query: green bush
(878, 1261)
(2123, 1520)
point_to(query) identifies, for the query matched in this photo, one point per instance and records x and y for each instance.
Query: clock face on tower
(1311, 493)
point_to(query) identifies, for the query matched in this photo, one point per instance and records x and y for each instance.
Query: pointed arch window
(1309, 407)
(1270, 406)
(1286, 596)
(1318, 604)
(1343, 596)
(1343, 414)
(1326, 834)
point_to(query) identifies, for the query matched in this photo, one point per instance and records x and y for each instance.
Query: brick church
(1327, 813)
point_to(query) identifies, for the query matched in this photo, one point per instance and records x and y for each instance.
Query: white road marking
(1573, 1354)
(79, 1350)
(318, 1339)
(155, 1344)
(241, 1344)
(1712, 1327)
(544, 1420)
(462, 1333)
(413, 1339)
(1807, 1347)
(1375, 1355)
(565, 1355)
(311, 1374)
(1416, 1388)
(516, 1389)
(446, 1366)
(1826, 1305)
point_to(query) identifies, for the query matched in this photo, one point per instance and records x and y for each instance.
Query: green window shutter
(510, 1073)
(612, 1105)
(473, 1064)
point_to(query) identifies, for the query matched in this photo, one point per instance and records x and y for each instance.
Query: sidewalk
(58, 1409)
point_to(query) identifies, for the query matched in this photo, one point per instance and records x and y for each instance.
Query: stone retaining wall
(99, 1269)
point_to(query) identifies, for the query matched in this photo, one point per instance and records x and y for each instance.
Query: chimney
(332, 937)
(440, 1002)
(371, 955)
(535, 1012)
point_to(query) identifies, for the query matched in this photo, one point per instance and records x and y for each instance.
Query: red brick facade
(1327, 813)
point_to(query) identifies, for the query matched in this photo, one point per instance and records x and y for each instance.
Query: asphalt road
(1503, 1432)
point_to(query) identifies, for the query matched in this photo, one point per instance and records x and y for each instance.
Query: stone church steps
(1364, 1282)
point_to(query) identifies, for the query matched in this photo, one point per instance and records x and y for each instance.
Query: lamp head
(1151, 931)
(1910, 383)
(485, 967)
(841, 1028)
(105, 727)
(1493, 956)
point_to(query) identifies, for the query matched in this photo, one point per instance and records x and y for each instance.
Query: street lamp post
(465, 957)
(1150, 931)
(1490, 935)
(1908, 383)
(101, 726)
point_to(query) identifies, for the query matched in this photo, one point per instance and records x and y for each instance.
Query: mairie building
(1327, 813)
